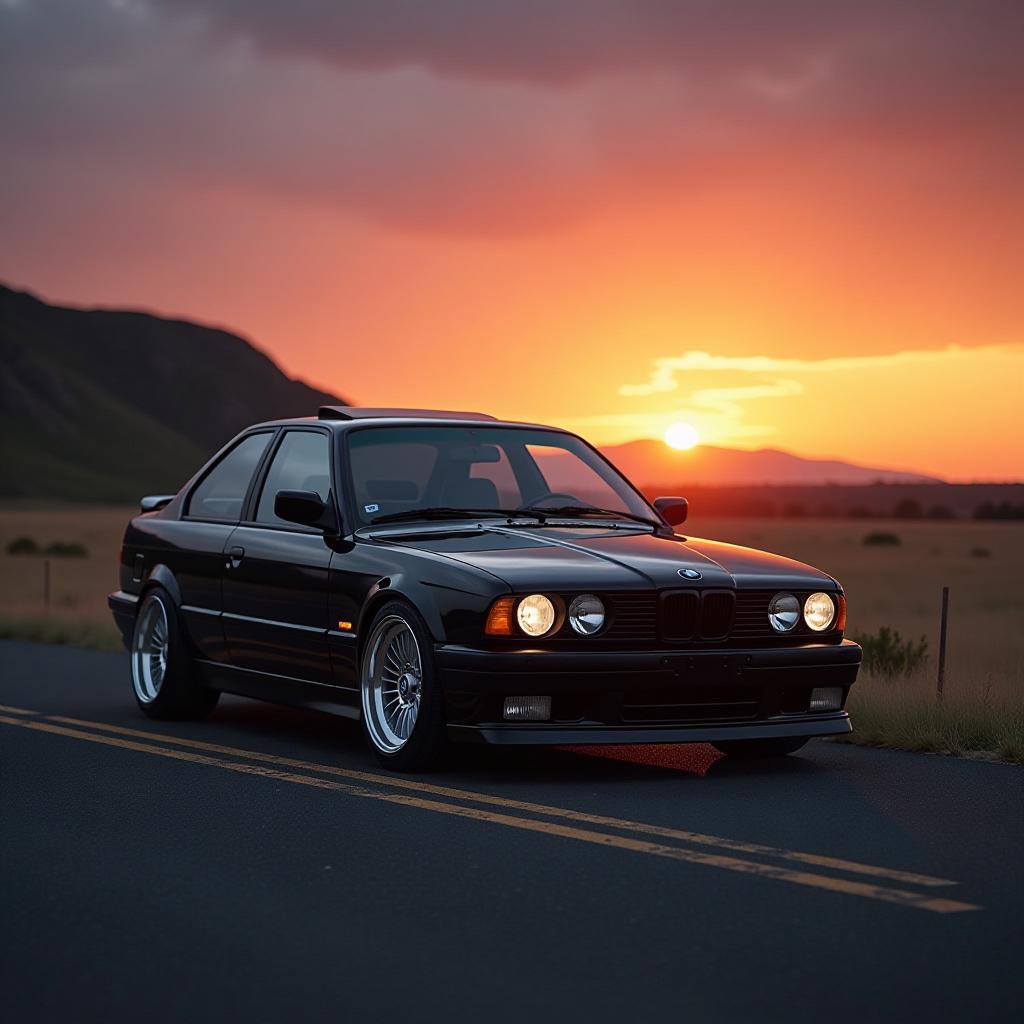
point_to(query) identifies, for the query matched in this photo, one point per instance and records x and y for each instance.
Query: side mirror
(672, 510)
(305, 508)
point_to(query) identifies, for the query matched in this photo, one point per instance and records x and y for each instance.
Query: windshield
(398, 472)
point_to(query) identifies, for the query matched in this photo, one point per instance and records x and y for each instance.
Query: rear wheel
(163, 678)
(402, 711)
(759, 748)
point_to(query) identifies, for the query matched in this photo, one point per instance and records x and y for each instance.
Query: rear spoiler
(155, 502)
(348, 412)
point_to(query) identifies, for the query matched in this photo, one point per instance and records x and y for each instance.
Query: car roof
(345, 416)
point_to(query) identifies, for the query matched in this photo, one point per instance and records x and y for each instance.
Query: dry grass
(899, 587)
(78, 612)
(905, 714)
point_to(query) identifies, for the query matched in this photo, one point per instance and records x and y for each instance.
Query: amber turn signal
(499, 618)
(841, 614)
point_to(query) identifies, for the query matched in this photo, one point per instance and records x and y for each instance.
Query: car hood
(574, 559)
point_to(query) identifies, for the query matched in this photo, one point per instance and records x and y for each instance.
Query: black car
(446, 576)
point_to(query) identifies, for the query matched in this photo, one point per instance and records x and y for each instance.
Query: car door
(195, 544)
(276, 573)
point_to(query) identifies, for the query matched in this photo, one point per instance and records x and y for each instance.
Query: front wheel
(759, 748)
(402, 712)
(162, 674)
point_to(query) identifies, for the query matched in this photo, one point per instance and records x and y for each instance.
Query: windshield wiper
(442, 512)
(566, 511)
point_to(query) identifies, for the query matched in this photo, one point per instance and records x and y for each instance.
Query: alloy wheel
(392, 683)
(149, 650)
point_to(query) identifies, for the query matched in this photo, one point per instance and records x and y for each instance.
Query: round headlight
(784, 612)
(819, 612)
(586, 614)
(535, 614)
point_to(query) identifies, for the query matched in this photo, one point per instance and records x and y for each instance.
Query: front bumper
(644, 696)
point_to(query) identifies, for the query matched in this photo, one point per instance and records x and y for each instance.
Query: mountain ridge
(103, 404)
(648, 462)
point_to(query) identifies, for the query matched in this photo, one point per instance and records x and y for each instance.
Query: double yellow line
(796, 867)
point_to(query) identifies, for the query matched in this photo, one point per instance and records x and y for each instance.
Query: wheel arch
(162, 576)
(386, 590)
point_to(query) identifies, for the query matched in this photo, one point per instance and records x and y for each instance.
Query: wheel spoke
(391, 684)
(150, 650)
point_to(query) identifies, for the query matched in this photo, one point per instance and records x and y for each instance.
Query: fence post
(942, 643)
(46, 583)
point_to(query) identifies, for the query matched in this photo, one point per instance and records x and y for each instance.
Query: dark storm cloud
(464, 115)
(559, 41)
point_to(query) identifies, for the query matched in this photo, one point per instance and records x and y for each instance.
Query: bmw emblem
(689, 574)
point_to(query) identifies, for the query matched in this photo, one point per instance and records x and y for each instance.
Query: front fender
(452, 614)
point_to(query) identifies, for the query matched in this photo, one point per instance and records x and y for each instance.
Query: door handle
(235, 556)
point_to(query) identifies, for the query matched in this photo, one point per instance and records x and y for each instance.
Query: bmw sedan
(448, 577)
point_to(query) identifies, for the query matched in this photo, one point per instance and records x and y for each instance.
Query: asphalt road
(259, 866)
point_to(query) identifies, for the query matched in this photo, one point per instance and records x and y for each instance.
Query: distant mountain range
(104, 405)
(100, 405)
(653, 462)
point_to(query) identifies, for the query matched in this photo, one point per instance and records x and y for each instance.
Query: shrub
(886, 653)
(908, 508)
(1002, 510)
(23, 546)
(66, 549)
(881, 538)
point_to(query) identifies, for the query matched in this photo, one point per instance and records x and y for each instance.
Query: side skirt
(297, 693)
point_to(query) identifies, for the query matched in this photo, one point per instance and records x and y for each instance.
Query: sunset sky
(793, 224)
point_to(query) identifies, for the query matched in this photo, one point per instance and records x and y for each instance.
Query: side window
(221, 492)
(302, 462)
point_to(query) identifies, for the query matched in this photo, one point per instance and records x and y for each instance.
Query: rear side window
(223, 489)
(302, 462)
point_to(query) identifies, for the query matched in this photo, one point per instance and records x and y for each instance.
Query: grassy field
(78, 611)
(896, 586)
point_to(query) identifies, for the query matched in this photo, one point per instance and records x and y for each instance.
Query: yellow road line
(582, 817)
(841, 885)
(17, 711)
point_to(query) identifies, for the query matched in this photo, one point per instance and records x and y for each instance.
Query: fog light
(825, 698)
(527, 709)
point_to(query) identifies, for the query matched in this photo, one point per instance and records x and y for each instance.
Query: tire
(747, 749)
(162, 674)
(400, 699)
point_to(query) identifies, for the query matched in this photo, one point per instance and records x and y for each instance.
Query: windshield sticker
(371, 508)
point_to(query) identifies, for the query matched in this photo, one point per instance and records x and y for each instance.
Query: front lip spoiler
(559, 734)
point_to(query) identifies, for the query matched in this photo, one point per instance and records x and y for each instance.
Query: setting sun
(681, 436)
